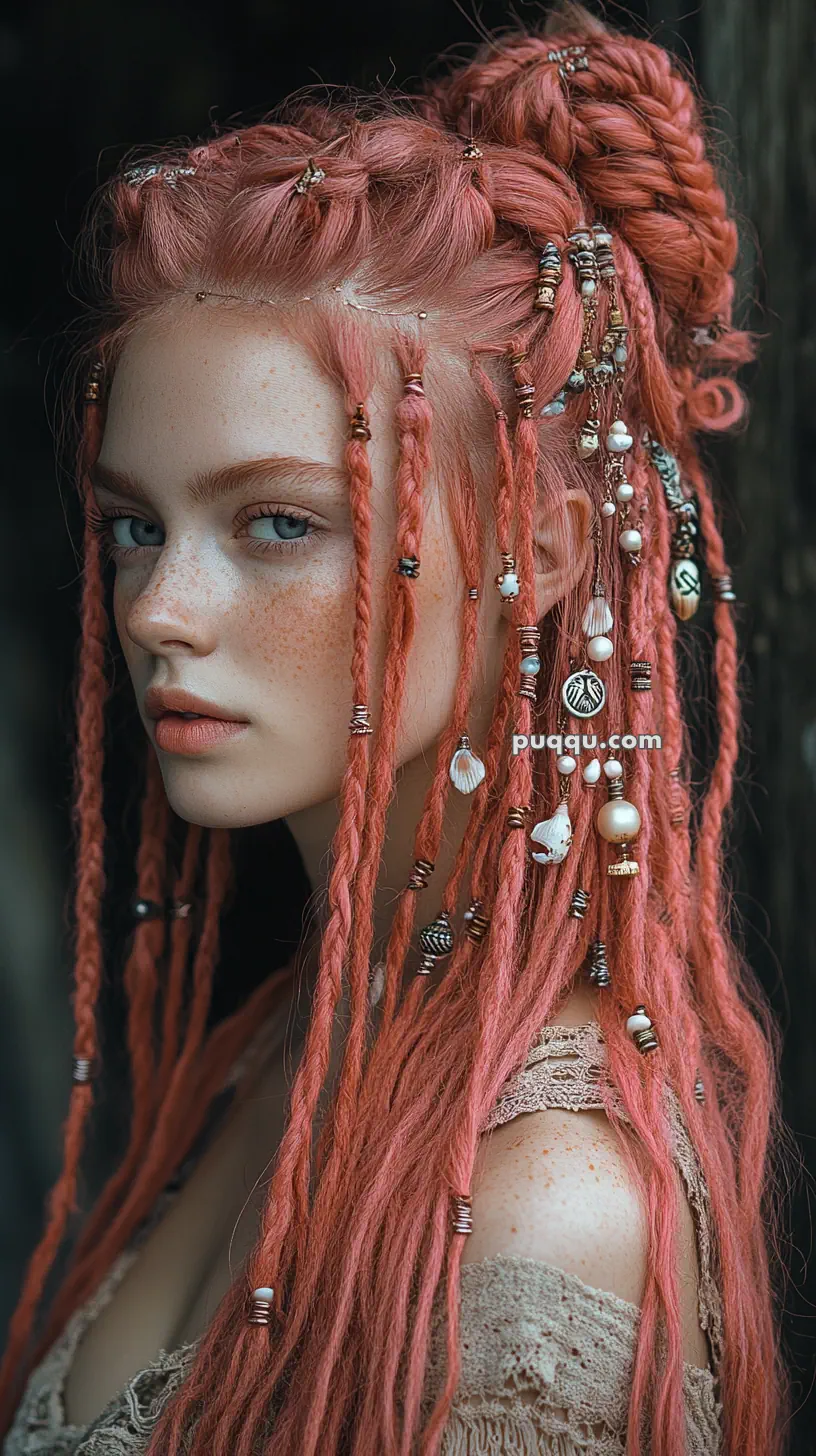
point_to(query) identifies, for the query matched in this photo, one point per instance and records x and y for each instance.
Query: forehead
(203, 387)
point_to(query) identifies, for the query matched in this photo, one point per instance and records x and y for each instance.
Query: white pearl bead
(625, 491)
(612, 768)
(264, 1293)
(631, 540)
(566, 764)
(618, 427)
(588, 287)
(531, 665)
(637, 1023)
(509, 585)
(617, 821)
(592, 771)
(600, 648)
(618, 443)
(608, 508)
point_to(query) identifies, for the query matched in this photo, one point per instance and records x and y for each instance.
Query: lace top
(546, 1359)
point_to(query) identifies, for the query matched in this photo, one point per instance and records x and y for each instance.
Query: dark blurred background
(80, 83)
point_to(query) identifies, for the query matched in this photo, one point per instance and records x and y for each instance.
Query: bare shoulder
(555, 1185)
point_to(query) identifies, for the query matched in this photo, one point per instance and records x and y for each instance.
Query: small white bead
(509, 585)
(618, 427)
(631, 540)
(566, 764)
(591, 771)
(625, 491)
(612, 768)
(264, 1293)
(588, 287)
(618, 821)
(617, 442)
(637, 1023)
(608, 508)
(600, 649)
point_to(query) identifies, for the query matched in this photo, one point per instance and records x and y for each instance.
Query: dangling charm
(598, 971)
(507, 580)
(554, 835)
(583, 693)
(588, 439)
(618, 821)
(435, 941)
(591, 771)
(549, 278)
(466, 768)
(618, 440)
(597, 619)
(641, 1031)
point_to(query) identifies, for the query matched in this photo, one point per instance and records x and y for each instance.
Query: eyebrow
(208, 486)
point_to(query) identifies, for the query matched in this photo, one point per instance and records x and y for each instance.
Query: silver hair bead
(462, 1211)
(261, 1306)
(82, 1070)
(359, 722)
(578, 905)
(699, 1089)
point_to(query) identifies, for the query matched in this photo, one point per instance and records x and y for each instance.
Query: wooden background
(81, 82)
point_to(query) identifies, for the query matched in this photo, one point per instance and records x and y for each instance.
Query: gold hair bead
(359, 429)
(93, 386)
(412, 384)
(516, 816)
(462, 1211)
(477, 923)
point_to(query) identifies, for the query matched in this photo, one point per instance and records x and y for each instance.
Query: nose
(175, 611)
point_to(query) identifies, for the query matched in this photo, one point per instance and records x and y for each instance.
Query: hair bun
(629, 132)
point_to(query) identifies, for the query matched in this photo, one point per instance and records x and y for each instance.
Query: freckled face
(245, 597)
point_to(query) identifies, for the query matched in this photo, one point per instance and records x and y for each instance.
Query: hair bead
(641, 676)
(412, 384)
(578, 905)
(261, 1306)
(478, 924)
(418, 879)
(516, 816)
(146, 909)
(359, 719)
(641, 1030)
(723, 589)
(598, 970)
(310, 177)
(359, 427)
(408, 566)
(462, 1211)
(82, 1070)
(699, 1088)
(93, 385)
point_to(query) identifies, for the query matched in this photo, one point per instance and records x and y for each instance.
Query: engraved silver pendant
(684, 586)
(583, 693)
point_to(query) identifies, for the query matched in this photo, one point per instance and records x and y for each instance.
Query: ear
(562, 546)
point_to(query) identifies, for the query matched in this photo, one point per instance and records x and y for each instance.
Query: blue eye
(132, 531)
(286, 528)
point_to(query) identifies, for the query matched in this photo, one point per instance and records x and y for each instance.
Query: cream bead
(625, 491)
(631, 540)
(566, 764)
(637, 1023)
(617, 821)
(600, 648)
(591, 771)
(608, 508)
(612, 768)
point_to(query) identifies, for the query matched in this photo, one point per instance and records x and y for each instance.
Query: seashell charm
(466, 768)
(598, 619)
(684, 588)
(436, 939)
(554, 835)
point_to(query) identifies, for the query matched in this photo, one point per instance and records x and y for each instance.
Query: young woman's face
(222, 461)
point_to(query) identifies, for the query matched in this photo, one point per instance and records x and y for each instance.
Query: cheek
(299, 635)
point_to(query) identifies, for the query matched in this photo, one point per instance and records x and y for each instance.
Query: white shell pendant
(466, 768)
(684, 587)
(554, 835)
(598, 619)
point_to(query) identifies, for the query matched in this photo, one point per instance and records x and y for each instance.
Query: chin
(217, 798)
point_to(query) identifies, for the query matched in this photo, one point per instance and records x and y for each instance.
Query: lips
(159, 702)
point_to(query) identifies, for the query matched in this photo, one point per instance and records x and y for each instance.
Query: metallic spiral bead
(261, 1306)
(462, 1211)
(578, 905)
(82, 1070)
(358, 425)
(408, 566)
(516, 816)
(419, 874)
(359, 721)
(478, 924)
(723, 590)
(181, 909)
(473, 593)
(598, 970)
(641, 676)
(699, 1089)
(93, 386)
(412, 384)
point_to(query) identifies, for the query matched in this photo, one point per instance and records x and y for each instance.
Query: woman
(389, 430)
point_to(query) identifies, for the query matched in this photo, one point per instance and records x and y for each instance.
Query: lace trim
(501, 1318)
(544, 1355)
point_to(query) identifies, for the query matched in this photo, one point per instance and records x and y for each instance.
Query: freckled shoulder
(554, 1185)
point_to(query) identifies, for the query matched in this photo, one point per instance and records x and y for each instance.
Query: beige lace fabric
(546, 1359)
